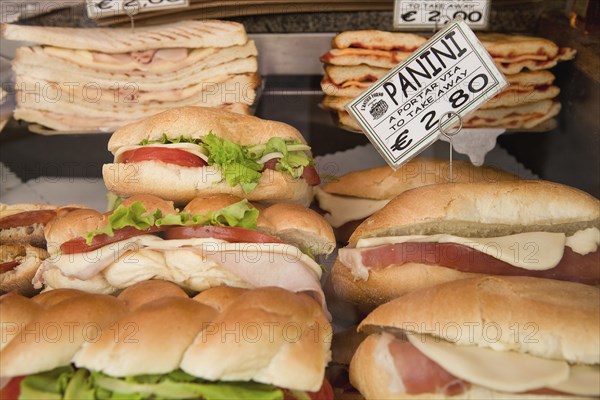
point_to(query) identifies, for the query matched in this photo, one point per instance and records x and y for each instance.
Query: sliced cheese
(584, 241)
(343, 209)
(530, 250)
(505, 371)
(584, 380)
(189, 147)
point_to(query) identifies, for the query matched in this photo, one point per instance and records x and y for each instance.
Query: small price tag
(451, 73)
(108, 8)
(431, 14)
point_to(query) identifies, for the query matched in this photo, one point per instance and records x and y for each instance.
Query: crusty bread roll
(279, 337)
(340, 197)
(466, 210)
(565, 315)
(383, 183)
(182, 184)
(484, 210)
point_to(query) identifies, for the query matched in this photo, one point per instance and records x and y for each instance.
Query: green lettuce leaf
(135, 215)
(237, 166)
(67, 383)
(292, 162)
(239, 214)
(166, 140)
(179, 385)
(79, 387)
(46, 386)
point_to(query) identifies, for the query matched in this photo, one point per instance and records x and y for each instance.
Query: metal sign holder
(450, 135)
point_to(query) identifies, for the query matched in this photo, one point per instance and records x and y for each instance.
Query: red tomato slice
(166, 155)
(227, 233)
(8, 266)
(12, 390)
(78, 245)
(27, 218)
(324, 393)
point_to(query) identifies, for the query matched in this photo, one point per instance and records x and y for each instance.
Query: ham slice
(420, 374)
(572, 267)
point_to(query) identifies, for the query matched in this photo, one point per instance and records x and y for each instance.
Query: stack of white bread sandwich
(359, 58)
(78, 79)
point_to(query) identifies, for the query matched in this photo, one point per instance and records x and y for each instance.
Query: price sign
(431, 14)
(401, 112)
(107, 8)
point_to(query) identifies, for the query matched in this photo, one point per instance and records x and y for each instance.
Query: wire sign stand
(450, 135)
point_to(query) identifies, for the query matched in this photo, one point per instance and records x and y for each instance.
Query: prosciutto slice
(572, 267)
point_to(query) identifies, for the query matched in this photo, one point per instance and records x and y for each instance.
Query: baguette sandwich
(351, 198)
(216, 240)
(192, 151)
(153, 341)
(440, 233)
(483, 338)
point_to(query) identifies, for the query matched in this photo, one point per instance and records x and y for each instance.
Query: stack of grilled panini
(102, 78)
(359, 58)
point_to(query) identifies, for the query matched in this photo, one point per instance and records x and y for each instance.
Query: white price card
(108, 8)
(433, 14)
(401, 112)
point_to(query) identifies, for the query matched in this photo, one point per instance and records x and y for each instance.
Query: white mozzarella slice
(505, 371)
(343, 209)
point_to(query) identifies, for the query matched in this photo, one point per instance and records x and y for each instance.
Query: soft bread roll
(147, 291)
(15, 312)
(142, 332)
(74, 224)
(20, 277)
(383, 183)
(53, 336)
(484, 210)
(167, 325)
(566, 315)
(197, 122)
(182, 184)
(219, 297)
(279, 338)
(298, 225)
